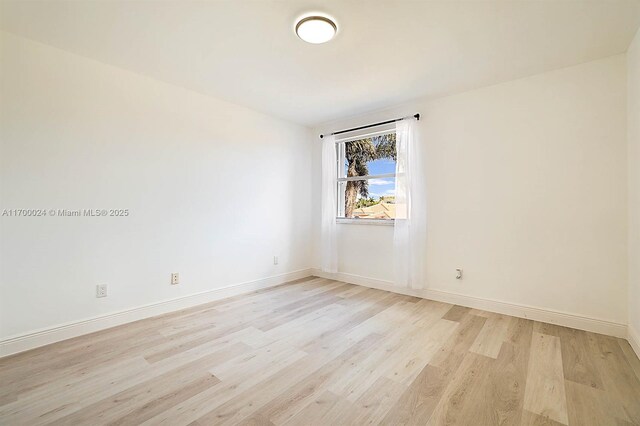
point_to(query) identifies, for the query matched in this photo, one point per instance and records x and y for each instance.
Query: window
(367, 176)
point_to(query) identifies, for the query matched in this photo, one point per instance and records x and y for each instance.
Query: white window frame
(342, 179)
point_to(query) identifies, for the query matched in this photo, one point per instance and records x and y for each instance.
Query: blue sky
(380, 167)
(383, 186)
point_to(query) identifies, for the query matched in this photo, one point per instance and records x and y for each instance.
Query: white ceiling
(386, 52)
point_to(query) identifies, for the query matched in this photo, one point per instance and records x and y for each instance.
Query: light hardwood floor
(321, 352)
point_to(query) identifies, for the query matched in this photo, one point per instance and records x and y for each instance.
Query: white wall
(526, 190)
(214, 189)
(633, 124)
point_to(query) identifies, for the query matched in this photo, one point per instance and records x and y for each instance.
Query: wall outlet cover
(101, 290)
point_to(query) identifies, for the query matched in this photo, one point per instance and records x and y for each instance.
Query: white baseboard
(522, 311)
(23, 342)
(634, 339)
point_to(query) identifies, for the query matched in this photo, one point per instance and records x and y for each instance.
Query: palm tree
(357, 154)
(366, 202)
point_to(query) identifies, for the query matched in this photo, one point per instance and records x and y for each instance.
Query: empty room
(336, 212)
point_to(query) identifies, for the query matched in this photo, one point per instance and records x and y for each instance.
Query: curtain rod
(416, 116)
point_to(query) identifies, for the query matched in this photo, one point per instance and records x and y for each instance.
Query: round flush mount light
(316, 29)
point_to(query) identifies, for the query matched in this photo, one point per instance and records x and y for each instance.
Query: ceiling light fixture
(316, 29)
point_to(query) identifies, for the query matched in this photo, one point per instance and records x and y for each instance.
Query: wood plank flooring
(321, 352)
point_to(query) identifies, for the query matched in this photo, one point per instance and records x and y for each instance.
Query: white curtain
(329, 247)
(410, 229)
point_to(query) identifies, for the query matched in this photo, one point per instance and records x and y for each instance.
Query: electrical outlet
(101, 290)
(175, 278)
(458, 273)
(275, 260)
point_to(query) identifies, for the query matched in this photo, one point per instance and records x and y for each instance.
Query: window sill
(376, 222)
